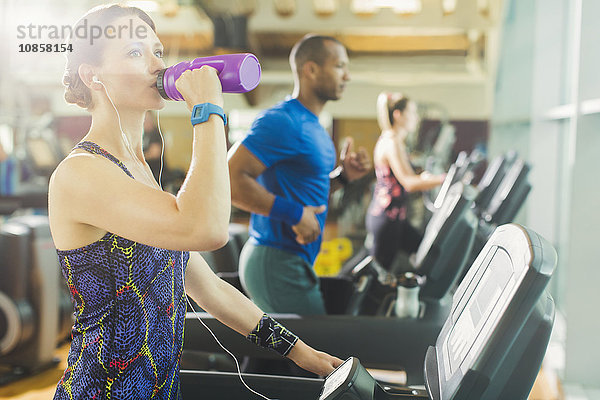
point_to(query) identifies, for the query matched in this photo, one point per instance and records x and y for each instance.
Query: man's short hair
(311, 48)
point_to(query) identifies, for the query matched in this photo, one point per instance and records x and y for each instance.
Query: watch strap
(201, 113)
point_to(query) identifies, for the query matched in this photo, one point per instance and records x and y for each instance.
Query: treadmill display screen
(336, 379)
(490, 173)
(483, 309)
(437, 221)
(511, 178)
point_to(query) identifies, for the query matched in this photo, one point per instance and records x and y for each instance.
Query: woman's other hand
(312, 360)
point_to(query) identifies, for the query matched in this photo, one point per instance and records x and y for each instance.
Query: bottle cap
(408, 280)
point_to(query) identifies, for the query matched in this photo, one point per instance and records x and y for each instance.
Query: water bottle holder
(390, 310)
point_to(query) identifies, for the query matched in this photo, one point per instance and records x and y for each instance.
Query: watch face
(198, 111)
(201, 112)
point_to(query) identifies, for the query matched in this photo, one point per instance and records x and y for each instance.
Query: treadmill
(511, 194)
(490, 348)
(36, 313)
(441, 259)
(491, 179)
(460, 171)
(504, 202)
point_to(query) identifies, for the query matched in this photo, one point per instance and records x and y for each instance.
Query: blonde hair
(387, 103)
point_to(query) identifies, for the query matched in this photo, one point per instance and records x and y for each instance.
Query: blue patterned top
(130, 308)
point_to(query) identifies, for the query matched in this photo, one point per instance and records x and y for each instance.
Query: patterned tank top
(389, 196)
(130, 308)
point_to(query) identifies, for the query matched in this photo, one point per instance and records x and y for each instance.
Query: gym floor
(39, 386)
(42, 385)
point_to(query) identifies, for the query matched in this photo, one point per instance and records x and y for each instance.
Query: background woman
(387, 219)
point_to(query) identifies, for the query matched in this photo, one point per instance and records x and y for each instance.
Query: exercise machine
(490, 347)
(439, 260)
(502, 192)
(364, 302)
(446, 244)
(35, 308)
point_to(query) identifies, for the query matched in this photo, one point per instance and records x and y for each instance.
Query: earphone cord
(162, 148)
(237, 364)
(124, 137)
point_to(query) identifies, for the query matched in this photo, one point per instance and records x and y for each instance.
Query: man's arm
(246, 193)
(249, 195)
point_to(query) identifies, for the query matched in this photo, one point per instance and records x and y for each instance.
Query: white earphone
(123, 136)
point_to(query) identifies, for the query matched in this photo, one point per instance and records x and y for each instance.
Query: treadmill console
(493, 342)
(495, 337)
(478, 316)
(351, 381)
(348, 381)
(437, 221)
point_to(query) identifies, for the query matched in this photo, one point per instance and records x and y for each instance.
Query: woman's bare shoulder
(79, 176)
(75, 167)
(69, 180)
(388, 144)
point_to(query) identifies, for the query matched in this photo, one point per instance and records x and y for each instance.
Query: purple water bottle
(238, 73)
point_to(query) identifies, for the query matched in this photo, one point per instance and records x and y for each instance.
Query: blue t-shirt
(298, 155)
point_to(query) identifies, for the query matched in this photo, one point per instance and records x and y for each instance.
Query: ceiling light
(398, 6)
(448, 6)
(407, 7)
(362, 7)
(325, 8)
(285, 8)
(483, 6)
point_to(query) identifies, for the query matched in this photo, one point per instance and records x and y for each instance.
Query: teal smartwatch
(201, 112)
